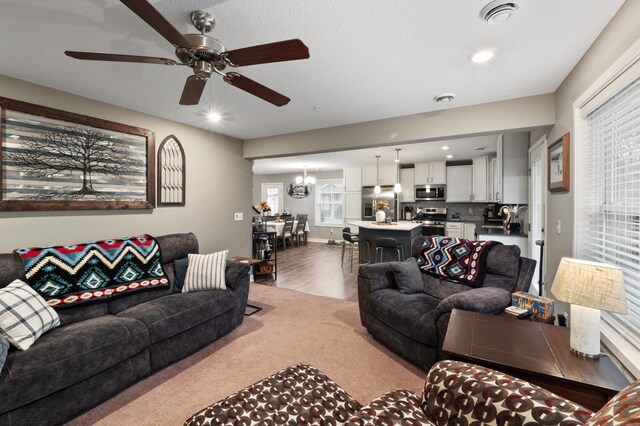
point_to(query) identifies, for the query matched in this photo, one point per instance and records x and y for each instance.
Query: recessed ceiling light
(481, 56)
(449, 156)
(214, 116)
(444, 98)
(498, 11)
(446, 147)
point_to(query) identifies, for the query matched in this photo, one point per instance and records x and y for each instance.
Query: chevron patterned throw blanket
(82, 273)
(455, 259)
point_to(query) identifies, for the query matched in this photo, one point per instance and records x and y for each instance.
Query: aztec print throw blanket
(82, 273)
(455, 259)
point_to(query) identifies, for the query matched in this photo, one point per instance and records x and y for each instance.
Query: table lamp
(590, 287)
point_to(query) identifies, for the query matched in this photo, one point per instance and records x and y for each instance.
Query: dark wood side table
(252, 265)
(533, 351)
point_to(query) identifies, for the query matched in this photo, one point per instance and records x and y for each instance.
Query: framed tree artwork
(57, 160)
(558, 160)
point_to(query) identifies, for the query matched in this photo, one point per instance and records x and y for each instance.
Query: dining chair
(351, 239)
(300, 228)
(287, 233)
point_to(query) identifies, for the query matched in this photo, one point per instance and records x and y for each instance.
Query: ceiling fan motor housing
(202, 48)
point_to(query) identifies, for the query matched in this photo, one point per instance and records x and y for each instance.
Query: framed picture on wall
(57, 160)
(558, 160)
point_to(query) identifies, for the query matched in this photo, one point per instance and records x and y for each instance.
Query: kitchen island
(403, 232)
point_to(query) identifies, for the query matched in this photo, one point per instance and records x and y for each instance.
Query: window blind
(610, 200)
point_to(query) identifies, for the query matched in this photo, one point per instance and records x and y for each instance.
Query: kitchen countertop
(493, 231)
(400, 226)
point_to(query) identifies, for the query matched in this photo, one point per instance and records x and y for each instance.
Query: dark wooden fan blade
(151, 16)
(92, 56)
(192, 91)
(288, 50)
(256, 89)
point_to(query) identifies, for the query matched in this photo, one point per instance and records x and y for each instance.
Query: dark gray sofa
(102, 348)
(414, 325)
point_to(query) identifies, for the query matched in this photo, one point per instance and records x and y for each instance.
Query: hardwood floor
(315, 268)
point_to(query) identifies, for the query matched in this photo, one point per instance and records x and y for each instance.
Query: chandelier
(305, 180)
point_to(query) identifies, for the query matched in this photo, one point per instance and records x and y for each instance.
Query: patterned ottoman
(297, 395)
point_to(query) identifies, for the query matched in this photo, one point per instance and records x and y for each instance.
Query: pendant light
(377, 189)
(397, 188)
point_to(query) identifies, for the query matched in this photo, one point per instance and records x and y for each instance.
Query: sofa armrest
(488, 300)
(376, 276)
(236, 274)
(395, 407)
(457, 390)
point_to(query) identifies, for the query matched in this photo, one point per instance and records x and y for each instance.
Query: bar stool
(348, 237)
(383, 244)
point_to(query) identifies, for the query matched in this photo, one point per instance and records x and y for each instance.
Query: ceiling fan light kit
(205, 55)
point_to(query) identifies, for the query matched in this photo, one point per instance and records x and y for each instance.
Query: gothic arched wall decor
(172, 169)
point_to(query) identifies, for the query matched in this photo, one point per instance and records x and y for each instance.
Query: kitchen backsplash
(469, 212)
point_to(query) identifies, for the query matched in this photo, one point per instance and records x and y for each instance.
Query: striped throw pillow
(206, 272)
(24, 315)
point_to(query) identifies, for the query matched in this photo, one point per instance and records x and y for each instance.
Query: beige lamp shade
(591, 284)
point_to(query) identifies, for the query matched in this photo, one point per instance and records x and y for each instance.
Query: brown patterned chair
(454, 393)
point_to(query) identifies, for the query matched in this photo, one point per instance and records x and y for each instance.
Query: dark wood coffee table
(533, 351)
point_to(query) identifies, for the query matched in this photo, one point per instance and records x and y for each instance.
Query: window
(329, 196)
(272, 193)
(608, 201)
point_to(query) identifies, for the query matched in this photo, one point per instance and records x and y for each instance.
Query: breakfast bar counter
(403, 232)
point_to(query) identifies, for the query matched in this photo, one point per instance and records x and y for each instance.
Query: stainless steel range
(433, 220)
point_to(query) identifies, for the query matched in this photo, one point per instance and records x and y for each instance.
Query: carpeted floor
(293, 327)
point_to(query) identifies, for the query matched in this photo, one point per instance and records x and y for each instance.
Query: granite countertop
(396, 226)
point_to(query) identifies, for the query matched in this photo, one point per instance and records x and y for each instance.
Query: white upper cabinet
(353, 179)
(430, 173)
(459, 183)
(407, 180)
(515, 168)
(480, 179)
(387, 175)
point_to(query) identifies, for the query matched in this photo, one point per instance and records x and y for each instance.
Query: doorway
(537, 205)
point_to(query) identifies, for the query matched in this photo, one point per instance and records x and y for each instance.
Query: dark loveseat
(102, 348)
(414, 325)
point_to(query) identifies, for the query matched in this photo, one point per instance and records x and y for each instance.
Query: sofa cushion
(206, 272)
(503, 267)
(4, 349)
(407, 275)
(68, 355)
(24, 315)
(175, 313)
(180, 267)
(412, 315)
(439, 288)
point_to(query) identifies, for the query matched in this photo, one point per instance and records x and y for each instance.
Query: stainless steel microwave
(431, 192)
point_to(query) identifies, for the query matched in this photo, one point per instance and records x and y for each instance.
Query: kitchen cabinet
(519, 240)
(496, 173)
(515, 168)
(352, 179)
(454, 230)
(407, 180)
(352, 205)
(469, 231)
(480, 179)
(387, 175)
(459, 183)
(431, 173)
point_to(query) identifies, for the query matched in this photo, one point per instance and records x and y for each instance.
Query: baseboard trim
(323, 240)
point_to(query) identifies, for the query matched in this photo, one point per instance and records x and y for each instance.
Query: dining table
(279, 226)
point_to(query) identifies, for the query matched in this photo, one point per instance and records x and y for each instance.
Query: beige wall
(496, 117)
(218, 182)
(302, 205)
(617, 37)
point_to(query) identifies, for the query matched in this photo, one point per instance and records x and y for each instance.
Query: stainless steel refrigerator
(368, 198)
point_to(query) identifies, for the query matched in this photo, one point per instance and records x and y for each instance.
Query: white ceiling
(370, 59)
(460, 149)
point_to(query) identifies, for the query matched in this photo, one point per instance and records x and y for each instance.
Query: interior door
(537, 205)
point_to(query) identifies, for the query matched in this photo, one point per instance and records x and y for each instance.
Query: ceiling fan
(206, 55)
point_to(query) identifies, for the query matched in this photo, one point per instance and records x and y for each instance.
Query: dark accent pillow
(4, 348)
(180, 266)
(408, 276)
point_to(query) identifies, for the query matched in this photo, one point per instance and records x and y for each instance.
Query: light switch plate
(237, 216)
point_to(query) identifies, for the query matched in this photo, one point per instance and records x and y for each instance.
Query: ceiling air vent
(498, 11)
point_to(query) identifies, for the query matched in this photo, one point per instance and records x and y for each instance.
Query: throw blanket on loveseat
(455, 259)
(82, 273)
